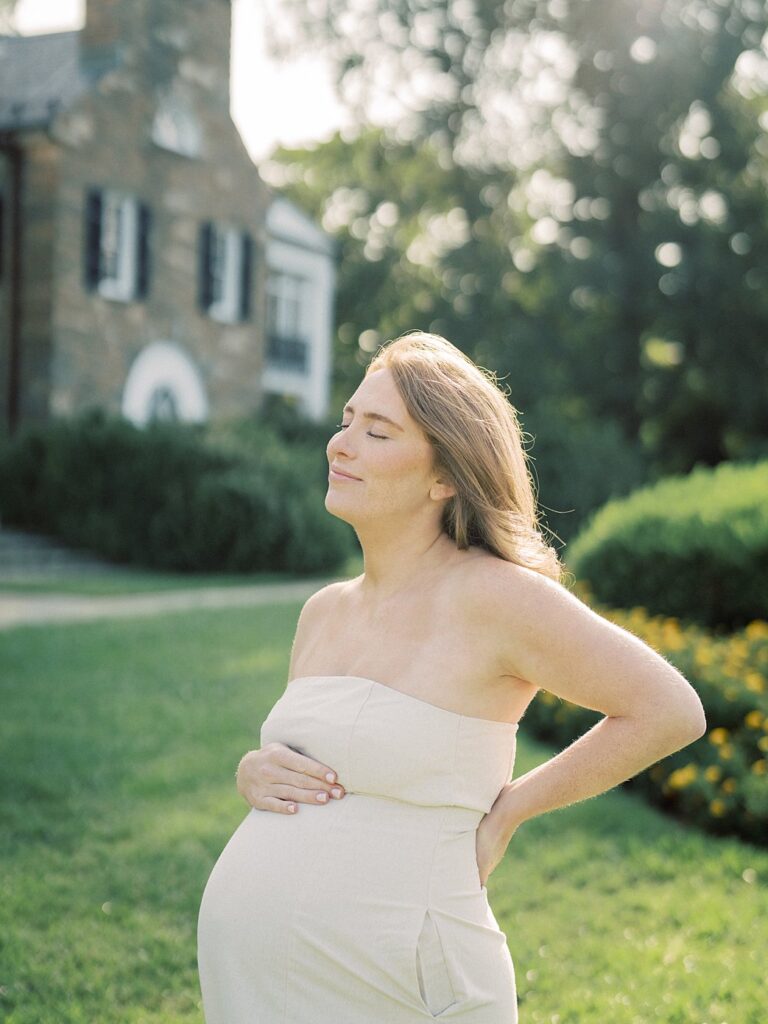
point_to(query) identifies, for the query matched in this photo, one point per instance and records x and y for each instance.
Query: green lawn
(124, 581)
(129, 580)
(119, 745)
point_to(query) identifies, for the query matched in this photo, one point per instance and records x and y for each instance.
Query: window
(286, 316)
(224, 284)
(175, 126)
(116, 260)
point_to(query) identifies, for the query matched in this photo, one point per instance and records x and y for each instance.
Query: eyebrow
(373, 416)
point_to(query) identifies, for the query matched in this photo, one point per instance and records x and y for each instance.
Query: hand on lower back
(490, 847)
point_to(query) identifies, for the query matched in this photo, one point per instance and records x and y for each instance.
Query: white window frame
(120, 217)
(287, 303)
(226, 273)
(176, 128)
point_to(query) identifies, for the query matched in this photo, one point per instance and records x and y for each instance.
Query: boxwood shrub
(694, 547)
(170, 496)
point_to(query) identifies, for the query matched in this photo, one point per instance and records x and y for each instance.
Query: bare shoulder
(549, 637)
(531, 618)
(491, 584)
(321, 603)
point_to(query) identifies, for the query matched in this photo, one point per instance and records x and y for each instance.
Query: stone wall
(178, 47)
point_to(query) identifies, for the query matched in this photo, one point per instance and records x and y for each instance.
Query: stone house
(144, 264)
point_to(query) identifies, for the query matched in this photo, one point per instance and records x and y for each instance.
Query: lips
(342, 473)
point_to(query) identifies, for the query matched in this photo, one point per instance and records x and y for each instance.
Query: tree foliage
(573, 192)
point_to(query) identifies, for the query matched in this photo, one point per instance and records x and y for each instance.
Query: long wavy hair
(477, 444)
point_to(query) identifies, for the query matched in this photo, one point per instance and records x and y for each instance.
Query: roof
(39, 75)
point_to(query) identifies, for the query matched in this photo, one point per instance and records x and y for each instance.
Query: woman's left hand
(490, 847)
(491, 840)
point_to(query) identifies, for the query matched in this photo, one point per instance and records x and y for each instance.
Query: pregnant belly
(362, 847)
(383, 890)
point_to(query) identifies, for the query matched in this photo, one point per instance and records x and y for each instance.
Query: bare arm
(555, 641)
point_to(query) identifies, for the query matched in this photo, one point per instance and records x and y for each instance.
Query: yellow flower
(713, 773)
(729, 785)
(726, 752)
(763, 743)
(682, 777)
(717, 807)
(754, 719)
(754, 682)
(760, 766)
(718, 736)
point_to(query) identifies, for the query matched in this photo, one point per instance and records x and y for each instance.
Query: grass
(122, 579)
(125, 581)
(120, 742)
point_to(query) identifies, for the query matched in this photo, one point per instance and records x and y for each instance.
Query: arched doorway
(163, 383)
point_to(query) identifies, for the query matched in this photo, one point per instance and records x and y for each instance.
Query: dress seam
(292, 930)
(446, 809)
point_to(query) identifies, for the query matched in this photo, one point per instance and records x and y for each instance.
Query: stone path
(40, 609)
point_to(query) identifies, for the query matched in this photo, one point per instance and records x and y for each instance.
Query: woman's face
(392, 461)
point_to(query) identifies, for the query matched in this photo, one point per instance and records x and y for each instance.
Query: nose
(340, 444)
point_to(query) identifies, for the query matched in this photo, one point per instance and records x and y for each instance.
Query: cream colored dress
(368, 909)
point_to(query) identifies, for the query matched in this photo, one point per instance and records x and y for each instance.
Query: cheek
(398, 478)
(398, 463)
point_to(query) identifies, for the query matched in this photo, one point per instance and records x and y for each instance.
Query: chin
(336, 508)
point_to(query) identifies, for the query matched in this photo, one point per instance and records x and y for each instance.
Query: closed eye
(381, 437)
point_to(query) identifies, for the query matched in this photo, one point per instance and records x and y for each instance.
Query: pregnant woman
(382, 798)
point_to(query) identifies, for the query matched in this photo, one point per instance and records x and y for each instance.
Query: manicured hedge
(171, 497)
(719, 782)
(694, 547)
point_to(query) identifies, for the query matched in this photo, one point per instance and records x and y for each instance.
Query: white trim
(164, 365)
(227, 308)
(310, 386)
(124, 209)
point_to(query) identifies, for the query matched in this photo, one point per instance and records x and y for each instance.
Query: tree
(605, 166)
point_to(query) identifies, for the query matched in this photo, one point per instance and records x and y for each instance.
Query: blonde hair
(477, 444)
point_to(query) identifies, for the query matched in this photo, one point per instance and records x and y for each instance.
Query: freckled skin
(398, 491)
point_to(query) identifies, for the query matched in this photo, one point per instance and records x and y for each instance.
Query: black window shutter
(245, 276)
(92, 239)
(142, 251)
(2, 235)
(204, 249)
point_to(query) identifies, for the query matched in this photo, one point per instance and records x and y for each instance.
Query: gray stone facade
(142, 107)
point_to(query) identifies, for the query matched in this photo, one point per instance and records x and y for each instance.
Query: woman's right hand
(279, 778)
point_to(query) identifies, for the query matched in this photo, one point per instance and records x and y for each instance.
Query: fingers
(279, 778)
(305, 796)
(271, 803)
(312, 772)
(285, 798)
(305, 774)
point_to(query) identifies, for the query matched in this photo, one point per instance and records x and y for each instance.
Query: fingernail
(329, 777)
(336, 792)
(322, 797)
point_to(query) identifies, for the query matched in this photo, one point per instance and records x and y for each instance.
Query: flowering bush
(719, 782)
